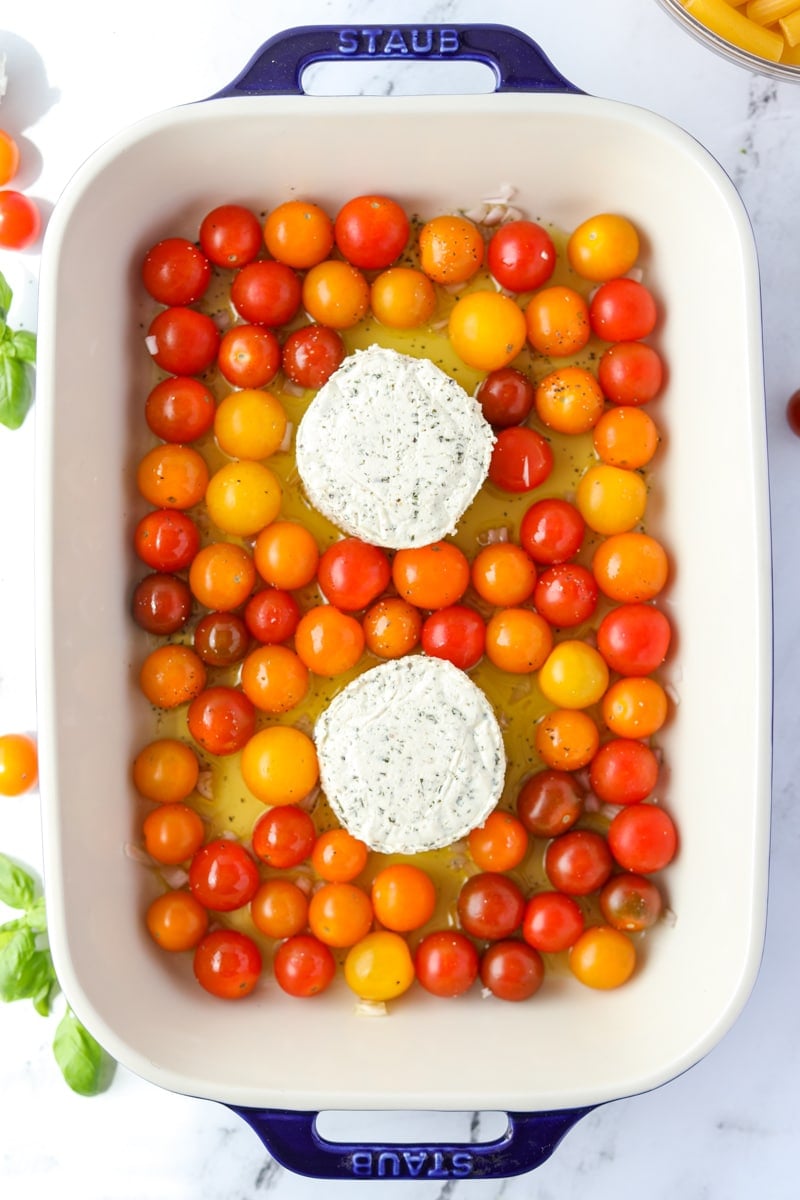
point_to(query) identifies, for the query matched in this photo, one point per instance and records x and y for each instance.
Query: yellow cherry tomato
(243, 497)
(602, 957)
(250, 423)
(279, 765)
(603, 247)
(379, 967)
(611, 499)
(574, 675)
(487, 330)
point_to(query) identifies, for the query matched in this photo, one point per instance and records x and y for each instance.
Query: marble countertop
(730, 1126)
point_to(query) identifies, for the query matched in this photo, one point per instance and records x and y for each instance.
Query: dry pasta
(726, 21)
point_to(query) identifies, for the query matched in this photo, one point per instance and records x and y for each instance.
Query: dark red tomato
(512, 970)
(622, 310)
(266, 293)
(623, 771)
(249, 356)
(185, 341)
(506, 397)
(272, 615)
(175, 271)
(166, 539)
(566, 594)
(490, 905)
(456, 633)
(352, 573)
(222, 875)
(221, 719)
(551, 531)
(630, 902)
(521, 256)
(371, 231)
(643, 838)
(227, 964)
(578, 862)
(311, 355)
(552, 922)
(221, 639)
(231, 235)
(20, 220)
(793, 412)
(284, 836)
(446, 963)
(521, 460)
(162, 604)
(549, 803)
(303, 965)
(630, 373)
(634, 638)
(180, 409)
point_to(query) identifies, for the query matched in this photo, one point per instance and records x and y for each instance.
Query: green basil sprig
(27, 973)
(17, 360)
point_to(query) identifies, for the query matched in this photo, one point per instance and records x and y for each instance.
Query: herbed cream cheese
(411, 755)
(392, 450)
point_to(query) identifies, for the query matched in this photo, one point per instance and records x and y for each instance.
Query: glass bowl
(744, 58)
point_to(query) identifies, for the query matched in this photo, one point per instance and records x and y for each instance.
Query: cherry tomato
(19, 764)
(451, 249)
(521, 460)
(486, 330)
(222, 575)
(329, 641)
(602, 958)
(162, 604)
(176, 921)
(166, 540)
(626, 437)
(392, 627)
(180, 409)
(403, 897)
(512, 970)
(221, 719)
(490, 905)
(279, 765)
(566, 739)
(299, 233)
(643, 838)
(250, 423)
(274, 678)
(634, 638)
(557, 321)
(222, 875)
(379, 967)
(266, 293)
(566, 594)
(335, 294)
(622, 310)
(310, 355)
(371, 231)
(574, 675)
(456, 633)
(185, 341)
(624, 771)
(221, 639)
(506, 397)
(303, 965)
(175, 271)
(631, 567)
(242, 497)
(353, 573)
(9, 158)
(578, 862)
(249, 356)
(338, 857)
(630, 373)
(521, 256)
(172, 675)
(549, 803)
(446, 963)
(166, 771)
(635, 707)
(518, 640)
(611, 499)
(552, 922)
(20, 220)
(284, 836)
(230, 235)
(432, 576)
(500, 843)
(272, 615)
(503, 574)
(340, 914)
(402, 298)
(604, 246)
(793, 412)
(172, 476)
(173, 833)
(286, 555)
(630, 902)
(569, 400)
(227, 964)
(279, 908)
(551, 531)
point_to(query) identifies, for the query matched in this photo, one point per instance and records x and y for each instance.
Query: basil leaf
(43, 1000)
(36, 916)
(16, 393)
(84, 1064)
(22, 969)
(16, 885)
(5, 297)
(24, 344)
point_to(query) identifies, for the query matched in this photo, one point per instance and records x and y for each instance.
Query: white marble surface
(730, 1127)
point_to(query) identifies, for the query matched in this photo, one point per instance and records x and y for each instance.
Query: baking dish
(277, 1061)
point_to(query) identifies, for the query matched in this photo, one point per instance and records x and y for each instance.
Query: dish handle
(518, 63)
(293, 1140)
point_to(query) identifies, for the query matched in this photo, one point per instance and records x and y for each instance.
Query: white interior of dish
(569, 157)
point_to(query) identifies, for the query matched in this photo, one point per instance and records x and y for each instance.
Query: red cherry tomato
(512, 970)
(490, 905)
(506, 397)
(221, 639)
(549, 803)
(175, 271)
(303, 965)
(310, 355)
(643, 838)
(166, 539)
(551, 531)
(521, 460)
(552, 922)
(456, 633)
(623, 771)
(371, 231)
(622, 310)
(221, 719)
(222, 875)
(521, 256)
(272, 615)
(230, 235)
(266, 293)
(578, 862)
(446, 963)
(249, 356)
(20, 221)
(566, 594)
(284, 836)
(180, 409)
(352, 573)
(186, 341)
(162, 604)
(630, 373)
(227, 964)
(634, 638)
(630, 902)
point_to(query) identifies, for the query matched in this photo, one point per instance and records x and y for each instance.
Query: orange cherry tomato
(329, 641)
(336, 294)
(19, 764)
(630, 567)
(299, 234)
(557, 321)
(166, 771)
(566, 739)
(432, 576)
(340, 914)
(603, 247)
(172, 833)
(172, 476)
(222, 576)
(279, 765)
(286, 555)
(172, 675)
(602, 957)
(392, 627)
(279, 908)
(403, 897)
(487, 330)
(518, 640)
(451, 249)
(176, 921)
(338, 857)
(503, 574)
(9, 158)
(402, 298)
(569, 400)
(500, 843)
(274, 678)
(635, 707)
(626, 437)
